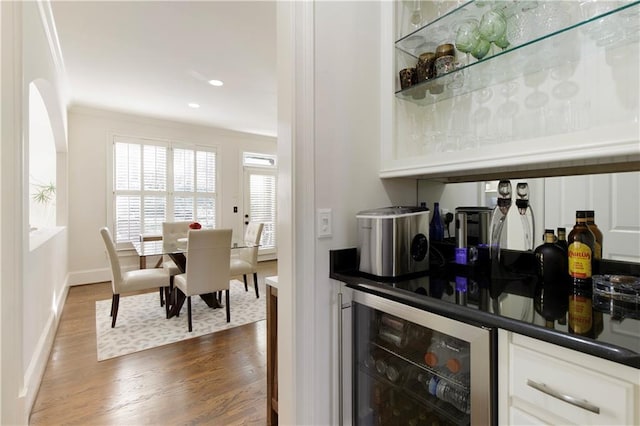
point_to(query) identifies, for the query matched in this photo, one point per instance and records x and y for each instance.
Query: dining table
(177, 250)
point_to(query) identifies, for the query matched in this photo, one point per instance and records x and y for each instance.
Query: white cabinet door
(615, 198)
(562, 386)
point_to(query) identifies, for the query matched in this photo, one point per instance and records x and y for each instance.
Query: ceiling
(153, 58)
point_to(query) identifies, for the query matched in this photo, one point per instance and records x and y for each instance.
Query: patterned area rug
(142, 323)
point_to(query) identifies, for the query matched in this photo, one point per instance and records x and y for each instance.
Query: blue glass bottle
(436, 227)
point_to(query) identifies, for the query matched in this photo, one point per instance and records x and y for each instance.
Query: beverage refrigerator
(413, 367)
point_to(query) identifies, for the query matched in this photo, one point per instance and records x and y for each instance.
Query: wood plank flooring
(217, 379)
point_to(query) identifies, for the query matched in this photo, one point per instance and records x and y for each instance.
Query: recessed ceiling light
(193, 105)
(216, 83)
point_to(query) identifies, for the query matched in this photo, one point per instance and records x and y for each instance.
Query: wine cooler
(412, 367)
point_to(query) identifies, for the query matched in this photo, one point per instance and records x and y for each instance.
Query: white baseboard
(89, 276)
(36, 368)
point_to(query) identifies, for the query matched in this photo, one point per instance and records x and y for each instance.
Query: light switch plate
(323, 223)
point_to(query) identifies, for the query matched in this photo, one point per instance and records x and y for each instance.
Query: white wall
(33, 281)
(333, 128)
(90, 139)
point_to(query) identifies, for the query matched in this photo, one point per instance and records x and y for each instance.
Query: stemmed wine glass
(416, 16)
(467, 37)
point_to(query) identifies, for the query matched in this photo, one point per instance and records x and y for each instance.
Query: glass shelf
(568, 37)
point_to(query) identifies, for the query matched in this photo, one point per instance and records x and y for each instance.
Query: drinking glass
(481, 49)
(493, 25)
(467, 37)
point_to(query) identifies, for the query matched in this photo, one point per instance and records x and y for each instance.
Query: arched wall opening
(42, 164)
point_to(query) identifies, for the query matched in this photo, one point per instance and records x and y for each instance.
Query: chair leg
(228, 307)
(246, 288)
(168, 291)
(255, 283)
(115, 303)
(189, 313)
(161, 296)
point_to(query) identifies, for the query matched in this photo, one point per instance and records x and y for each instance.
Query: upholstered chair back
(116, 271)
(252, 238)
(208, 255)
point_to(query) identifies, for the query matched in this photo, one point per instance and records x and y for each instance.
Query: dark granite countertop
(505, 300)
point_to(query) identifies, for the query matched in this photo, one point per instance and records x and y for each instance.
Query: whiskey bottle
(581, 319)
(581, 254)
(581, 246)
(596, 233)
(562, 238)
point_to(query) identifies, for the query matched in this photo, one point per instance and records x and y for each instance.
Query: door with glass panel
(260, 205)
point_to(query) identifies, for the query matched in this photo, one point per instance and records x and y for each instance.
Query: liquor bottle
(581, 248)
(596, 233)
(598, 324)
(552, 288)
(562, 238)
(581, 319)
(436, 227)
(551, 262)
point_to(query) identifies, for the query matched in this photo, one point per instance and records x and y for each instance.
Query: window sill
(39, 236)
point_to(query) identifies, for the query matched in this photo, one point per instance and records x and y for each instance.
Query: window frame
(170, 193)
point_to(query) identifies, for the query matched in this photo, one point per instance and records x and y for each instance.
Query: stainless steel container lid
(392, 211)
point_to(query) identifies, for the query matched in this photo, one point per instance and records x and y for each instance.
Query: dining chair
(171, 232)
(125, 282)
(245, 260)
(143, 260)
(208, 256)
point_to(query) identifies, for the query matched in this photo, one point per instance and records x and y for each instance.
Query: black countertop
(500, 299)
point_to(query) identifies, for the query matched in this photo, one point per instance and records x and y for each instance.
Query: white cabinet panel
(615, 198)
(574, 113)
(538, 380)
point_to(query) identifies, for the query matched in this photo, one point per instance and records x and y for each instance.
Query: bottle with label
(581, 319)
(436, 227)
(581, 248)
(596, 233)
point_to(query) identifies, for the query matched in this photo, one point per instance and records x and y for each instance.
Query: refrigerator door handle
(585, 405)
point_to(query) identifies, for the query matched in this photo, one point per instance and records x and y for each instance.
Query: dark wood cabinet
(272, 350)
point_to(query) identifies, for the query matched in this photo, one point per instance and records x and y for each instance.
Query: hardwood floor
(213, 379)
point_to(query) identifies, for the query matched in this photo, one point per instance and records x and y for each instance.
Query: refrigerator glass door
(412, 367)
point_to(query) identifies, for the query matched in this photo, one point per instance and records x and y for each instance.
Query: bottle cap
(453, 365)
(581, 214)
(431, 359)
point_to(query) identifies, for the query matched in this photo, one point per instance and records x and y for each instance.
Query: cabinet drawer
(536, 377)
